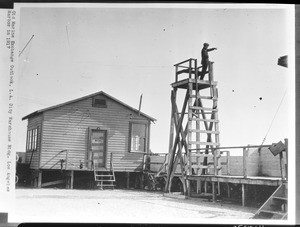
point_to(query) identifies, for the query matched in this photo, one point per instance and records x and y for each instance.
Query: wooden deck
(202, 84)
(253, 180)
(257, 180)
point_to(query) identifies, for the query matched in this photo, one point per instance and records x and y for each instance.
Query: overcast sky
(127, 52)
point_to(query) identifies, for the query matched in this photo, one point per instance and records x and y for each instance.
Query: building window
(99, 102)
(31, 144)
(137, 137)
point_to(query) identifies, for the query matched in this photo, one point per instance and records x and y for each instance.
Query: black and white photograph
(148, 113)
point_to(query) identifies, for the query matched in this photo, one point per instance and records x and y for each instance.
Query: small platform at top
(202, 84)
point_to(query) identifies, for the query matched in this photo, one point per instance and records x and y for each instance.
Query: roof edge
(35, 113)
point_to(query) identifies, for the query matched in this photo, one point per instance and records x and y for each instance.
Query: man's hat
(205, 44)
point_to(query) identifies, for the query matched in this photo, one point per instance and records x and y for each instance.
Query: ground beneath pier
(120, 206)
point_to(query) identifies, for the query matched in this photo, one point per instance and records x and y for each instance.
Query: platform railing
(245, 161)
(163, 162)
(190, 67)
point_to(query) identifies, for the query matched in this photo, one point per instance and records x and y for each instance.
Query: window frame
(145, 149)
(32, 139)
(94, 104)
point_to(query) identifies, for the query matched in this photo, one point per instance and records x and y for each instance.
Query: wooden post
(171, 138)
(228, 162)
(210, 71)
(243, 195)
(142, 181)
(205, 186)
(219, 188)
(286, 156)
(127, 180)
(213, 191)
(71, 179)
(228, 190)
(198, 186)
(245, 156)
(281, 165)
(189, 125)
(39, 179)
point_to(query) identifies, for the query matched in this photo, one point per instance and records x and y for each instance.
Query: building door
(97, 148)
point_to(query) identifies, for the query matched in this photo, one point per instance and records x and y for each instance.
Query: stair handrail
(112, 164)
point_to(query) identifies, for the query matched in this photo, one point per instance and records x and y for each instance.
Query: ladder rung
(204, 97)
(205, 131)
(204, 143)
(202, 108)
(207, 120)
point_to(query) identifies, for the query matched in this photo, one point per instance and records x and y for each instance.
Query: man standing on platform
(205, 58)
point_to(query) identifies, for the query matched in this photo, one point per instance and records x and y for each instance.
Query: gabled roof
(86, 97)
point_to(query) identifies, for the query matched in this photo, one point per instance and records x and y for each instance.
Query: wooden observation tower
(194, 128)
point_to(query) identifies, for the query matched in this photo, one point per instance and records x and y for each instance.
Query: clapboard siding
(66, 128)
(33, 123)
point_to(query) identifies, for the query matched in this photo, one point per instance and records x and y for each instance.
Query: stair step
(97, 180)
(106, 185)
(272, 212)
(279, 198)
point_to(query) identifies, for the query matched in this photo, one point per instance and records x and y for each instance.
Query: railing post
(111, 161)
(210, 71)
(245, 156)
(286, 156)
(228, 163)
(190, 68)
(67, 156)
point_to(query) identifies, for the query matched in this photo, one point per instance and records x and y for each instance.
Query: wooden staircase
(105, 178)
(276, 206)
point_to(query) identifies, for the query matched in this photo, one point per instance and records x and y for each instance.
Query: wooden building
(93, 133)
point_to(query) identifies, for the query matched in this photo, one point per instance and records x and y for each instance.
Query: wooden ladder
(276, 206)
(199, 112)
(105, 178)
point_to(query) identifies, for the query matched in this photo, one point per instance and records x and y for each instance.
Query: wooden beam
(53, 183)
(178, 132)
